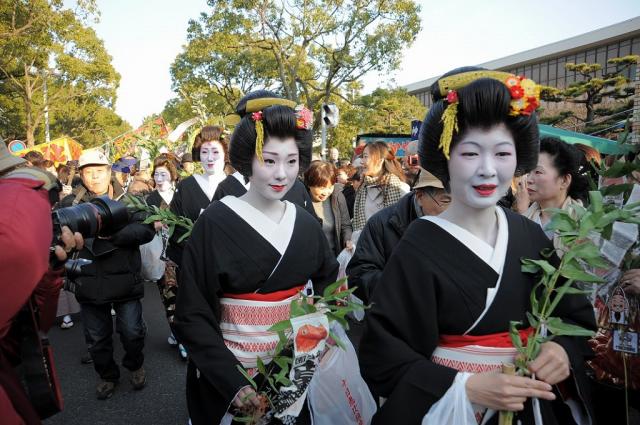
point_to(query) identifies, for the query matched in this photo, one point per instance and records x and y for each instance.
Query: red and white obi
(246, 319)
(476, 354)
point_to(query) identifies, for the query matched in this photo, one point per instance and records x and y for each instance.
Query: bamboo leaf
(533, 266)
(329, 290)
(337, 340)
(261, 367)
(556, 326)
(575, 274)
(515, 335)
(562, 222)
(296, 309)
(247, 377)
(595, 198)
(281, 326)
(616, 189)
(533, 322)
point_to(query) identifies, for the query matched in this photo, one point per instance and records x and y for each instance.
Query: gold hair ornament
(257, 118)
(525, 99)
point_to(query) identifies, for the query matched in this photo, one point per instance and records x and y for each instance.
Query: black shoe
(86, 359)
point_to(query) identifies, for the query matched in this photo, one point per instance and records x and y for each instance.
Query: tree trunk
(28, 110)
(590, 114)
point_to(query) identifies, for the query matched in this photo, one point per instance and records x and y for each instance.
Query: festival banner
(59, 150)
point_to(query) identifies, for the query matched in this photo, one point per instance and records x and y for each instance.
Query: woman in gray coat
(329, 204)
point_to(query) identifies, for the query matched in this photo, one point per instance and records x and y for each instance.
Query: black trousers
(98, 332)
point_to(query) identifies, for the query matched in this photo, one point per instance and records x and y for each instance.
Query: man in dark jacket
(384, 230)
(112, 279)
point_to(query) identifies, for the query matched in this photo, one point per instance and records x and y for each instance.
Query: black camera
(100, 217)
(412, 160)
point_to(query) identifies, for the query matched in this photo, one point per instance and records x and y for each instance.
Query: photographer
(25, 238)
(112, 279)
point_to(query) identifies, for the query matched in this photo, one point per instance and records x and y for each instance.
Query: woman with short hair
(330, 205)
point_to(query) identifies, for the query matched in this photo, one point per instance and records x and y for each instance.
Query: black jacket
(114, 274)
(379, 237)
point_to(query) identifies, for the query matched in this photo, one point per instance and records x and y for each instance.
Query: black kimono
(435, 285)
(229, 186)
(237, 260)
(189, 200)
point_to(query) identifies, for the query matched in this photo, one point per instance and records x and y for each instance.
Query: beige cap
(7, 159)
(426, 179)
(92, 157)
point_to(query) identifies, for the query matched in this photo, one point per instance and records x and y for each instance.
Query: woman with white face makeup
(194, 194)
(247, 259)
(438, 329)
(165, 175)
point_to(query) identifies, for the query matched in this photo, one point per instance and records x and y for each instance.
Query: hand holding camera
(70, 242)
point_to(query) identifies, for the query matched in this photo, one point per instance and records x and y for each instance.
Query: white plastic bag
(343, 261)
(337, 393)
(454, 408)
(150, 253)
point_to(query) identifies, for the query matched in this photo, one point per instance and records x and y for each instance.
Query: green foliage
(306, 50)
(382, 111)
(579, 254)
(593, 86)
(167, 217)
(42, 43)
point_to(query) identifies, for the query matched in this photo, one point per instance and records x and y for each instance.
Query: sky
(144, 37)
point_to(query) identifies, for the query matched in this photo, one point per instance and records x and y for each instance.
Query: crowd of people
(433, 243)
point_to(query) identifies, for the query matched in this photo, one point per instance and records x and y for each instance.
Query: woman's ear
(565, 181)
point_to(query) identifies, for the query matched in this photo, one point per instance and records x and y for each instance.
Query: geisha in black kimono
(247, 258)
(437, 334)
(194, 194)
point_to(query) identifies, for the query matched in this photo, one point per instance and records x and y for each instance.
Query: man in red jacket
(25, 237)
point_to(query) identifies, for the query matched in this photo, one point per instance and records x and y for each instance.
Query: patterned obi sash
(245, 321)
(476, 354)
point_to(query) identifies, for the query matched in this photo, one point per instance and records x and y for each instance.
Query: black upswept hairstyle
(483, 104)
(278, 121)
(566, 159)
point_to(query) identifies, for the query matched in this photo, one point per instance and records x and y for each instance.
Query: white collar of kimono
(240, 178)
(209, 184)
(493, 256)
(277, 234)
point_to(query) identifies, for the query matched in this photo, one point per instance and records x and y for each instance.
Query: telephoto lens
(100, 217)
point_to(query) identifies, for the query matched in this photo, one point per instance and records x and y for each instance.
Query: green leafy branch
(165, 216)
(574, 229)
(335, 303)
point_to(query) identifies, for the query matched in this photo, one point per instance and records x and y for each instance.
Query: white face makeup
(162, 177)
(212, 158)
(481, 167)
(273, 178)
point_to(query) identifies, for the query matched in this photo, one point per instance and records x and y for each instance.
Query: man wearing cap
(384, 230)
(410, 162)
(112, 279)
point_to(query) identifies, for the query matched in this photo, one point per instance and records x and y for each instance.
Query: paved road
(161, 402)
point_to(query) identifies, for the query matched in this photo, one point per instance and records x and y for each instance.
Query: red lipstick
(277, 188)
(485, 189)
